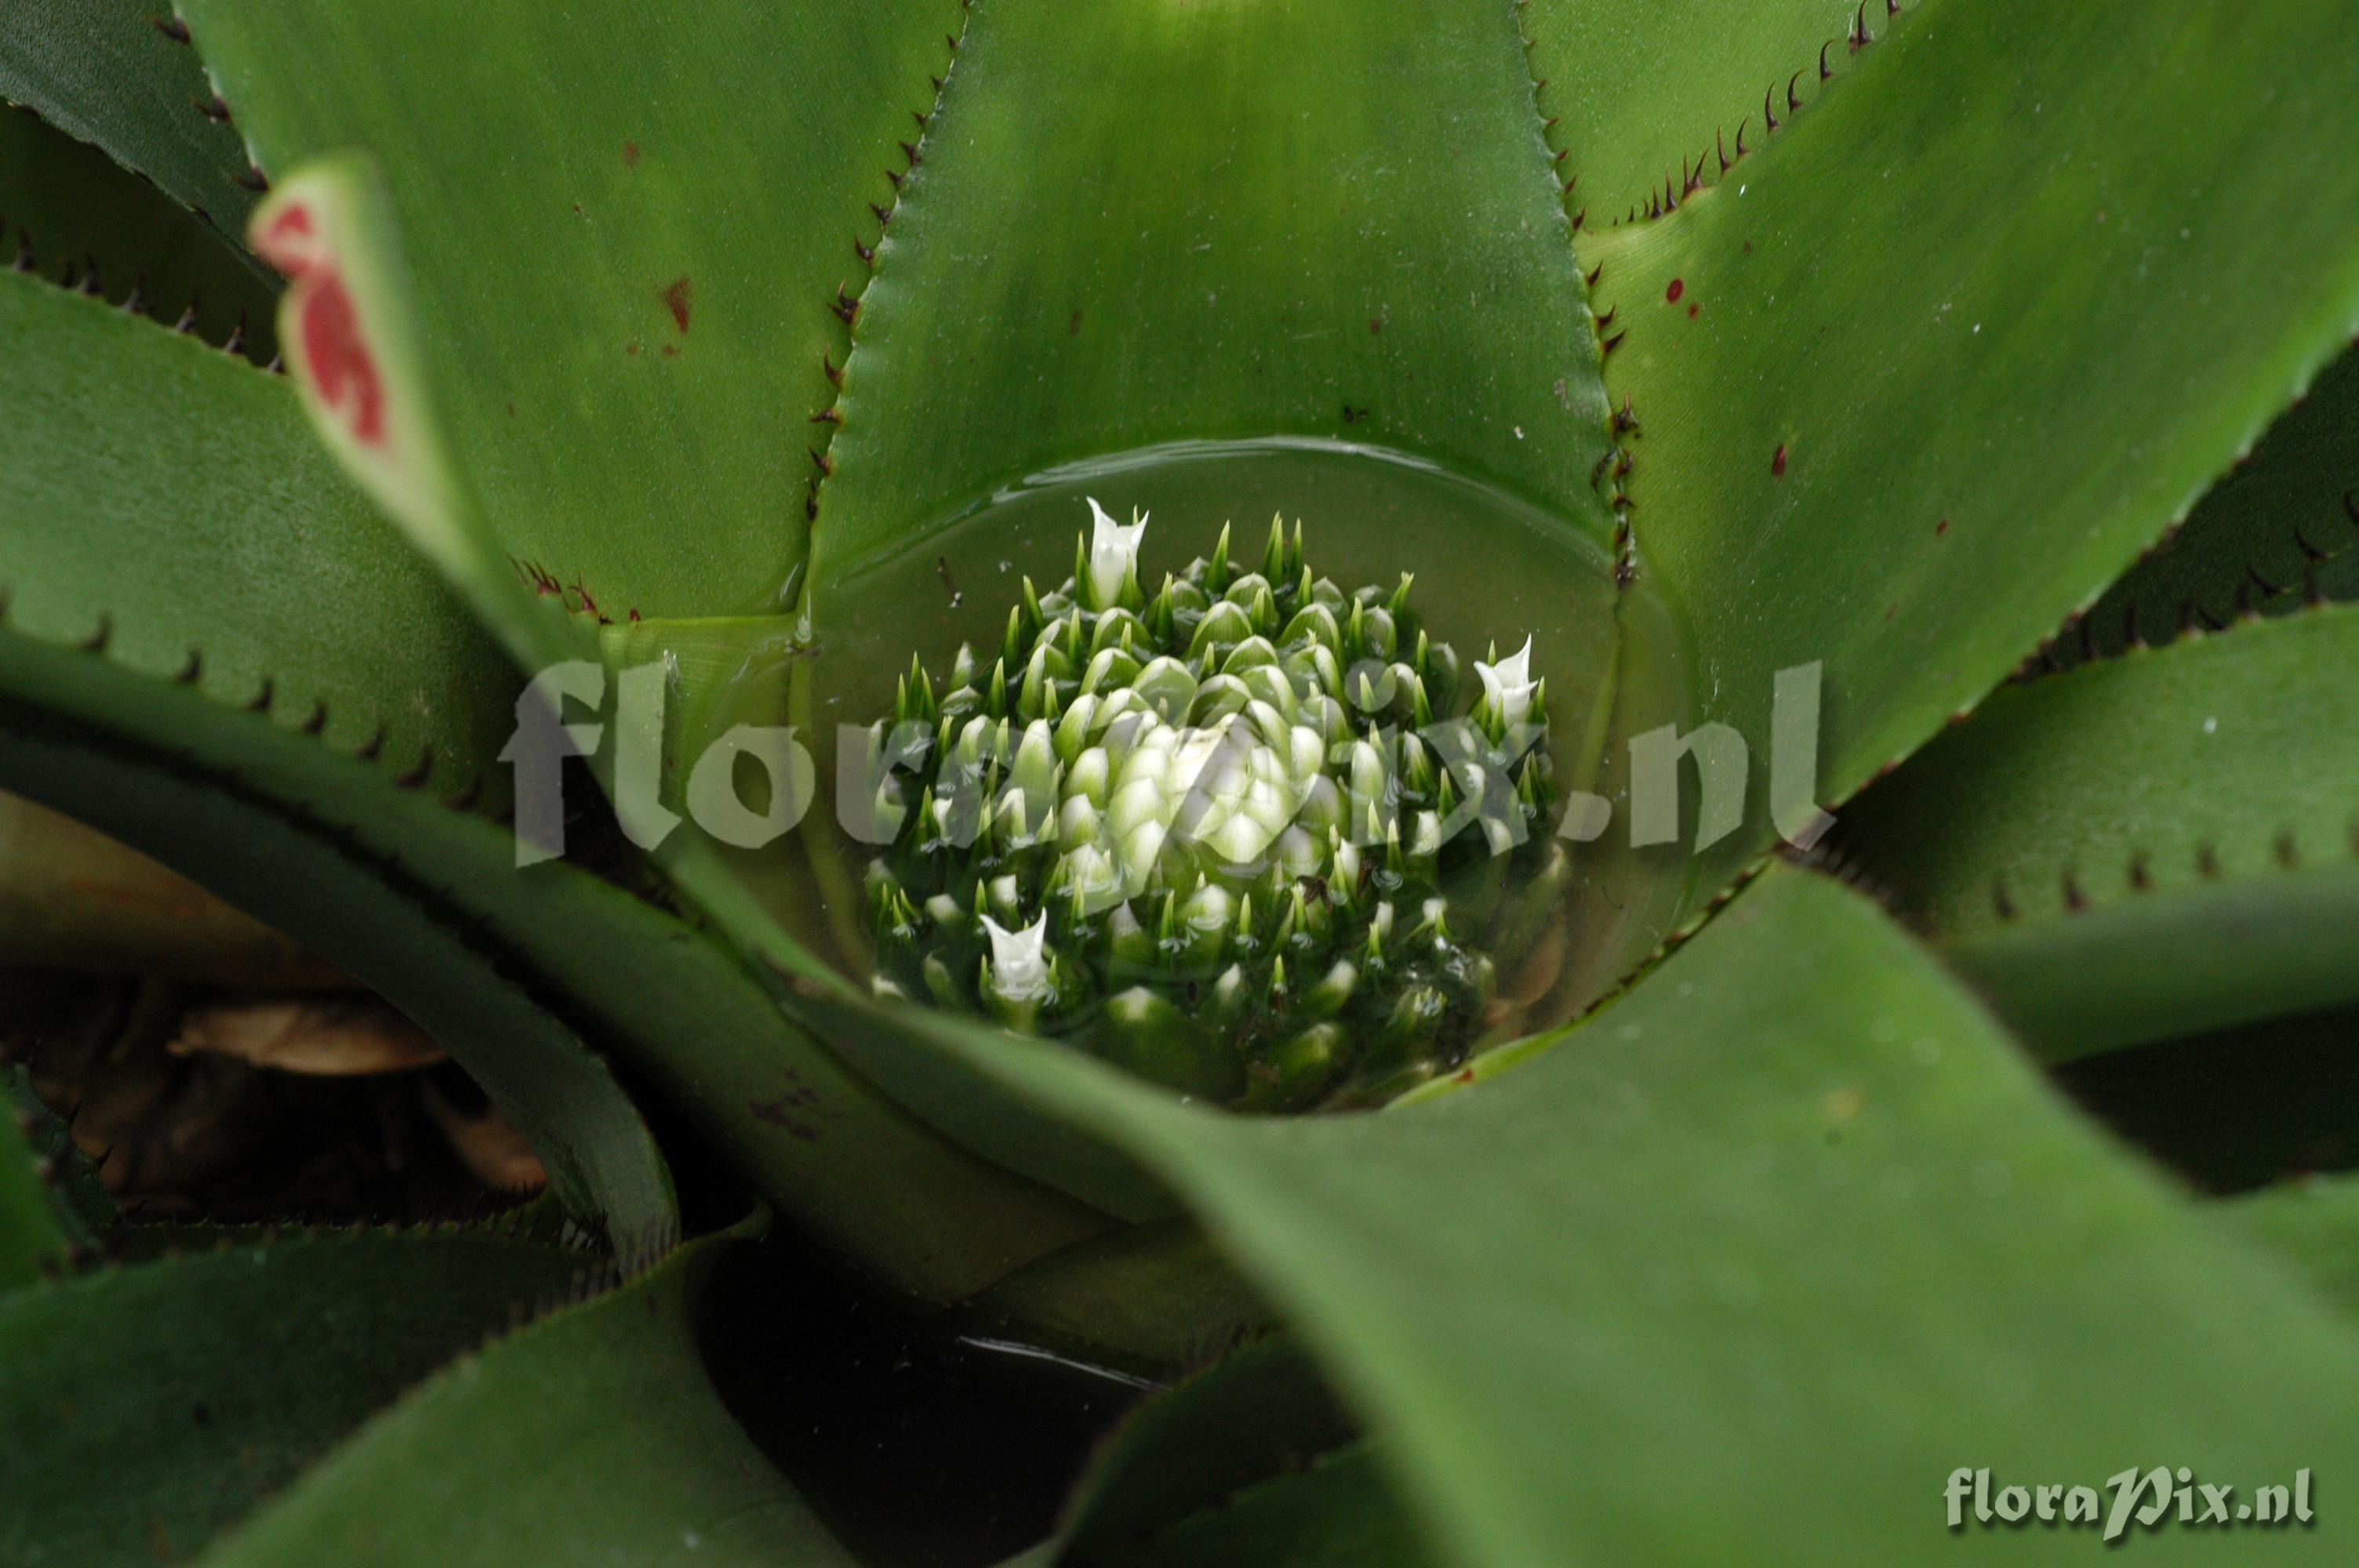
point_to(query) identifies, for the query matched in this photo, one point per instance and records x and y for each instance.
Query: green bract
(1232, 836)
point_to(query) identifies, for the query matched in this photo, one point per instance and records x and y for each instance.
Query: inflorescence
(1227, 836)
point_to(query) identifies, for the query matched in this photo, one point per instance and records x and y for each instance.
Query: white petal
(1508, 684)
(1114, 551)
(1019, 964)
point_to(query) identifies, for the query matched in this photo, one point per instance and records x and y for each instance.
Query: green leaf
(164, 503)
(1645, 99)
(1155, 1296)
(1189, 223)
(2277, 528)
(84, 220)
(1928, 373)
(143, 1408)
(2313, 1223)
(358, 358)
(32, 1227)
(274, 609)
(1337, 1512)
(624, 256)
(1248, 1461)
(1256, 1412)
(251, 549)
(1750, 1223)
(114, 72)
(593, 1435)
(2148, 846)
(51, 1205)
(271, 620)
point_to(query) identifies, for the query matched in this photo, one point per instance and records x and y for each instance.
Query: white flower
(1019, 962)
(1509, 685)
(1114, 551)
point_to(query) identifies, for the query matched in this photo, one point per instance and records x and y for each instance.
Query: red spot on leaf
(1691, 309)
(630, 155)
(679, 296)
(1778, 463)
(335, 355)
(342, 367)
(1942, 528)
(1678, 288)
(295, 220)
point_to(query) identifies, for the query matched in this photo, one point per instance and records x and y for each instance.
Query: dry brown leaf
(340, 1036)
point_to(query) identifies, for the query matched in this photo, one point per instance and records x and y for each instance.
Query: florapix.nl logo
(750, 784)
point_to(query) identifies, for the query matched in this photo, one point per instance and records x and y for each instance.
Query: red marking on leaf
(336, 356)
(294, 219)
(677, 297)
(1778, 463)
(1678, 288)
(289, 243)
(671, 351)
(630, 155)
(1691, 309)
(342, 367)
(1942, 528)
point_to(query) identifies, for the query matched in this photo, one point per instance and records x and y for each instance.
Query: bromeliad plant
(707, 364)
